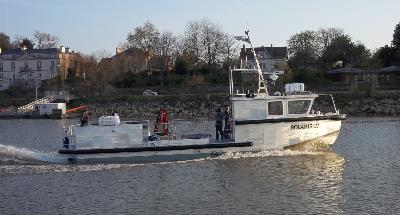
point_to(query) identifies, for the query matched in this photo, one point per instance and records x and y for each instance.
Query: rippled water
(360, 175)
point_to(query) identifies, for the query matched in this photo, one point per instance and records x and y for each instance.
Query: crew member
(66, 143)
(228, 122)
(85, 119)
(164, 120)
(219, 118)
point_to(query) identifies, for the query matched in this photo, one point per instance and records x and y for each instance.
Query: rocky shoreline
(203, 106)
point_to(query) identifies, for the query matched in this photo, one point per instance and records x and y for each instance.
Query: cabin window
(275, 108)
(298, 106)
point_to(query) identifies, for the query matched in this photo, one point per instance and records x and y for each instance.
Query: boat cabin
(273, 107)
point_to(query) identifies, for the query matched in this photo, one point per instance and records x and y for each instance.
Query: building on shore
(29, 67)
(353, 78)
(271, 59)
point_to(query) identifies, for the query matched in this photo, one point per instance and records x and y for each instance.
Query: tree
(166, 49)
(396, 37)
(192, 41)
(211, 37)
(229, 48)
(4, 41)
(340, 49)
(45, 40)
(304, 50)
(27, 43)
(144, 37)
(386, 55)
(103, 74)
(327, 35)
(361, 56)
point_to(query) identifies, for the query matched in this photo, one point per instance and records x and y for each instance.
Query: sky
(89, 26)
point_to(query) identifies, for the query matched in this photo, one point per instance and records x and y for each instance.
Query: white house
(30, 66)
(271, 59)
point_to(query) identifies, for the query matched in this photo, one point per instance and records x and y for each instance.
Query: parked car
(150, 93)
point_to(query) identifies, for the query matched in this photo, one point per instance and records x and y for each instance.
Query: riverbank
(203, 106)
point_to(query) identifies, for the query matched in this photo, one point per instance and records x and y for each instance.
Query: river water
(359, 175)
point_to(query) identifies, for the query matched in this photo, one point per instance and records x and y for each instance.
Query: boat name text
(304, 126)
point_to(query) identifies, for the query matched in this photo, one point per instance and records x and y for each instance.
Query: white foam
(25, 155)
(271, 153)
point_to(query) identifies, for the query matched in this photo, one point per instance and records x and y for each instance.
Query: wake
(16, 155)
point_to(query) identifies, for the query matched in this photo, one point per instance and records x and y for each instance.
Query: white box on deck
(294, 88)
(47, 108)
(109, 120)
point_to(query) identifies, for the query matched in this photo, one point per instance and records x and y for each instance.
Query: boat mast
(262, 85)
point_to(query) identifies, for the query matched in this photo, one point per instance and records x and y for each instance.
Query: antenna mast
(262, 85)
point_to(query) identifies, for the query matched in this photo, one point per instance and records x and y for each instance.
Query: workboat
(256, 121)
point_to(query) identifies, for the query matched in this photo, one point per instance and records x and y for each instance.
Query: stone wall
(382, 104)
(203, 106)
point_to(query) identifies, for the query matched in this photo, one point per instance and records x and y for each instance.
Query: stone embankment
(192, 106)
(370, 106)
(203, 106)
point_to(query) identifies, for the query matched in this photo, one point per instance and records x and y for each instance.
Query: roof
(30, 51)
(130, 52)
(390, 69)
(345, 70)
(352, 70)
(274, 52)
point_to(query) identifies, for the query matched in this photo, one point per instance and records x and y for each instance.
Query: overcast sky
(95, 25)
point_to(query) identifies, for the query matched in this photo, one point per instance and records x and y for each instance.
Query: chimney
(118, 50)
(62, 49)
(271, 45)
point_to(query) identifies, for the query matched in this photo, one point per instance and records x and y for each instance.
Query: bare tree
(206, 42)
(103, 73)
(192, 41)
(144, 37)
(4, 41)
(327, 35)
(45, 40)
(229, 48)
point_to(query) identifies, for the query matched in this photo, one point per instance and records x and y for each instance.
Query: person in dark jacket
(219, 118)
(85, 119)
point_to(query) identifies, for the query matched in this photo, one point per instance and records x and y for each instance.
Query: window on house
(298, 106)
(275, 108)
(1, 66)
(39, 75)
(12, 65)
(276, 65)
(39, 65)
(1, 76)
(51, 65)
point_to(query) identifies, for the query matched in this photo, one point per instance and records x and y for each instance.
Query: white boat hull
(267, 136)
